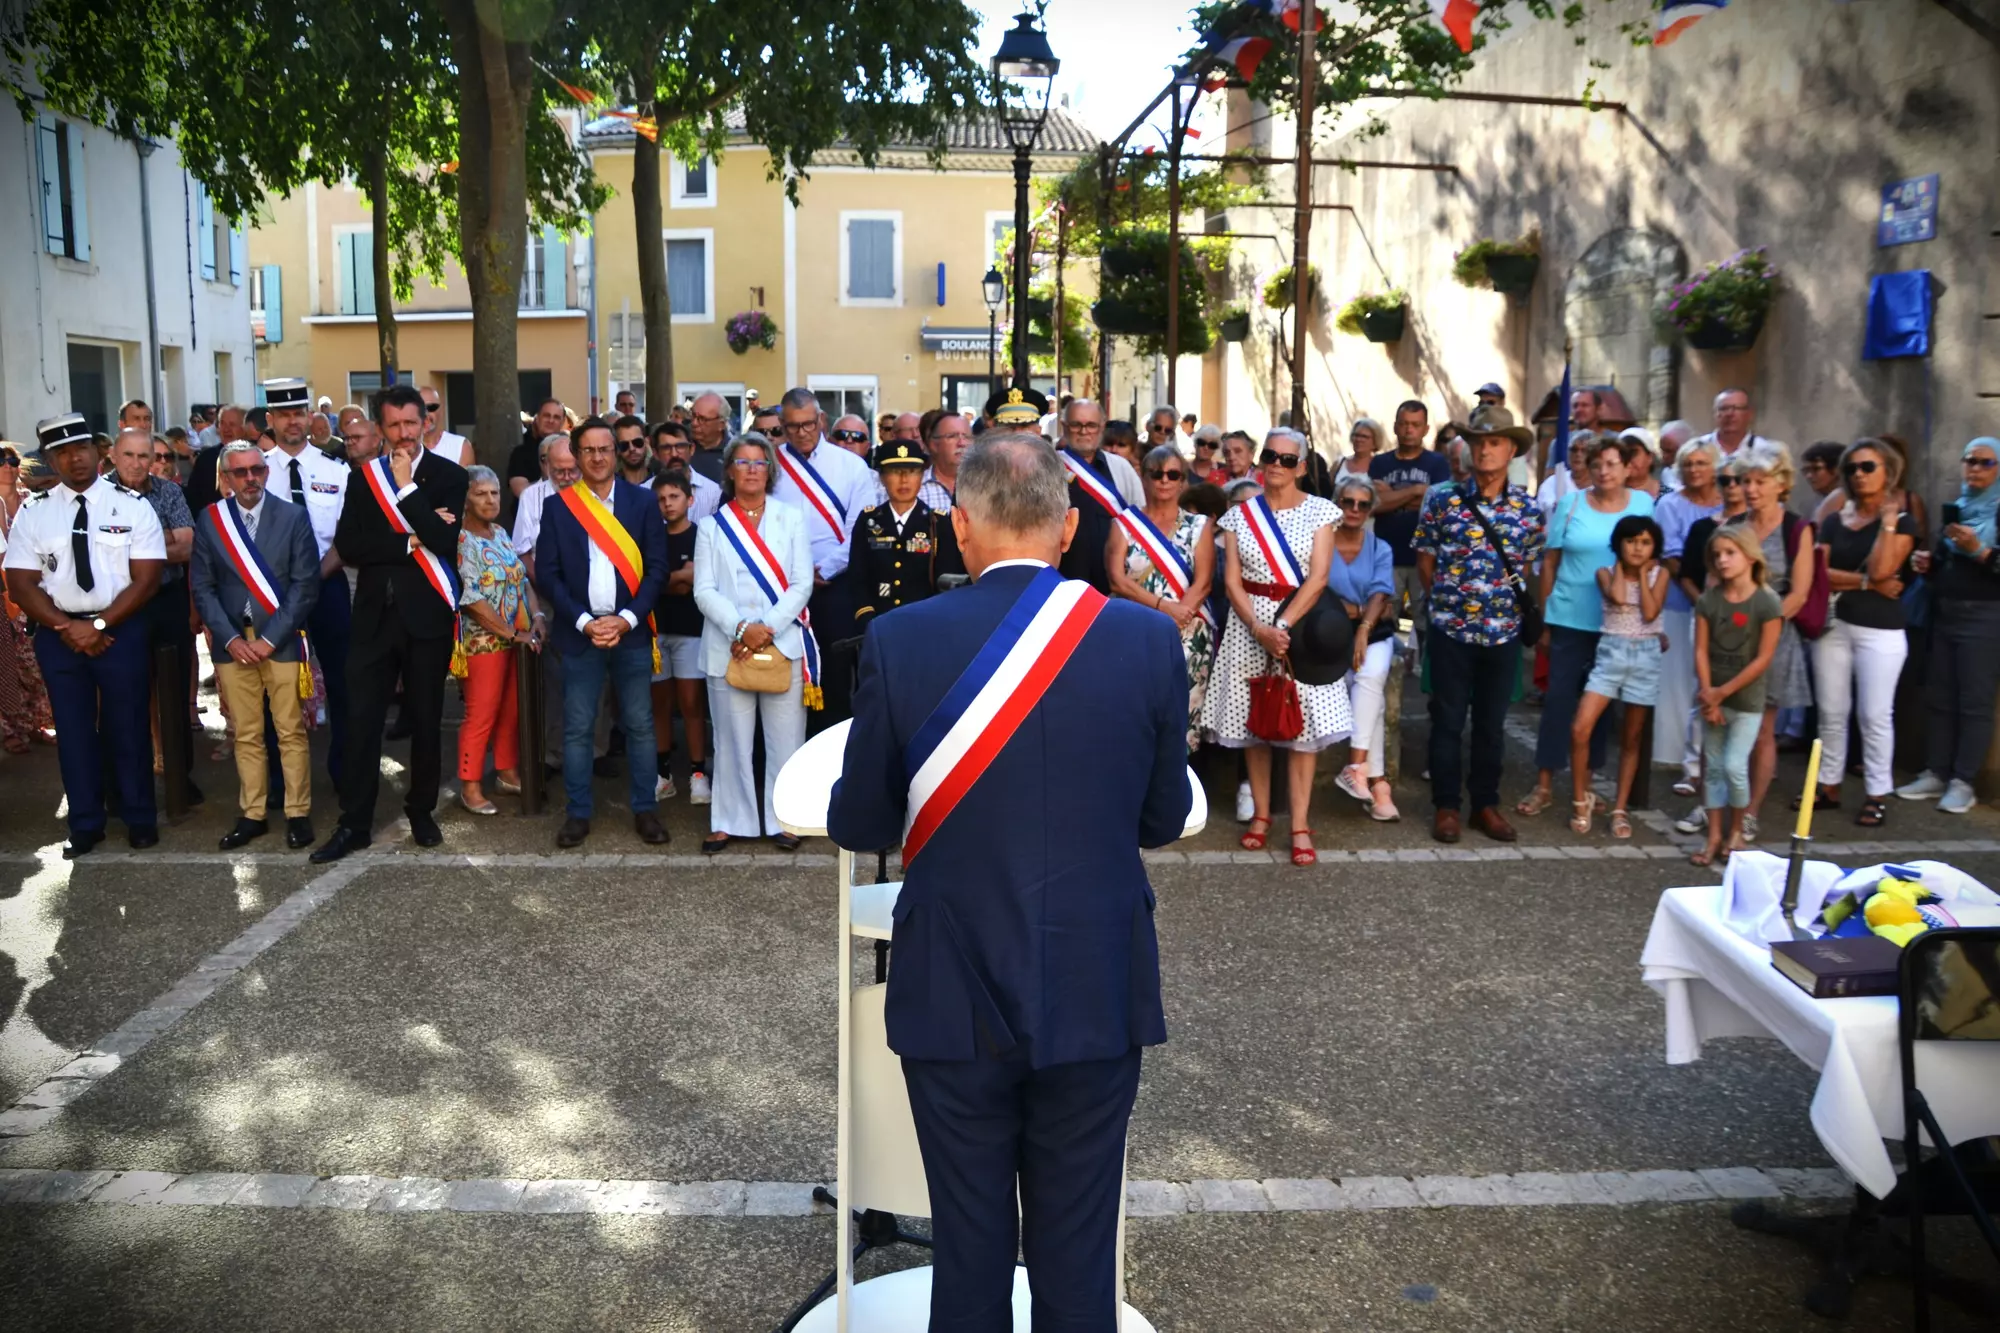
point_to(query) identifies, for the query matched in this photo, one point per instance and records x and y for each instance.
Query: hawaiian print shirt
(1472, 600)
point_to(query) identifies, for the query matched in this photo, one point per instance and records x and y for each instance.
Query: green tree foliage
(1132, 292)
(1075, 329)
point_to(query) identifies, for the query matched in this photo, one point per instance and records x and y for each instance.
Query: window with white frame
(691, 274)
(692, 184)
(846, 395)
(999, 226)
(65, 211)
(871, 258)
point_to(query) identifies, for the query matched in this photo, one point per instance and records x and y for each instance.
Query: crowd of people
(690, 584)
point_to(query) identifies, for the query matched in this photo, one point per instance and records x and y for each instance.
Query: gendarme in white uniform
(122, 528)
(321, 481)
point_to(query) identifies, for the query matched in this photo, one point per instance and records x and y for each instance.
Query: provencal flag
(1677, 16)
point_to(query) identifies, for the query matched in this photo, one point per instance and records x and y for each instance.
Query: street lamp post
(1025, 61)
(994, 288)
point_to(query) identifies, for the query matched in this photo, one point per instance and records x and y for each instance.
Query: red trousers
(490, 714)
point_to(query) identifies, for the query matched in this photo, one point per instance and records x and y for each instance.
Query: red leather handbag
(1275, 713)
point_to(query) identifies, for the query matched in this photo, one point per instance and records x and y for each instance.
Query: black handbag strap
(1522, 602)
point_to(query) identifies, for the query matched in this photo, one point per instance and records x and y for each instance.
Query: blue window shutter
(871, 258)
(555, 270)
(79, 201)
(239, 256)
(363, 267)
(687, 284)
(54, 239)
(204, 227)
(274, 304)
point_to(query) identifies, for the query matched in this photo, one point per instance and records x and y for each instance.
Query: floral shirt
(1472, 599)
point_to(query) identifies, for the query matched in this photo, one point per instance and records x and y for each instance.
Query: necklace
(758, 512)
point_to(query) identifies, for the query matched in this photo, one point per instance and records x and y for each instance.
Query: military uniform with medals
(893, 563)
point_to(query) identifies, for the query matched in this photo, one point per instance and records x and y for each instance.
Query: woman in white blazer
(738, 618)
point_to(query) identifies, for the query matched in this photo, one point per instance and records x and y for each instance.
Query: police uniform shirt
(321, 481)
(122, 528)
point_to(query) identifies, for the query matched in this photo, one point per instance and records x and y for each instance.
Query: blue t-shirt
(1583, 535)
(1427, 469)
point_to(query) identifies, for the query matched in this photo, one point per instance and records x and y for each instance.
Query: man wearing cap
(1476, 544)
(900, 545)
(1490, 394)
(317, 484)
(82, 563)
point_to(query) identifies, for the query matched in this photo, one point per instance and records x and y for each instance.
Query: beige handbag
(765, 671)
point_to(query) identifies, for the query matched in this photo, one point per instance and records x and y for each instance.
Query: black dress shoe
(141, 836)
(245, 830)
(649, 828)
(298, 833)
(343, 841)
(399, 729)
(81, 844)
(423, 829)
(573, 832)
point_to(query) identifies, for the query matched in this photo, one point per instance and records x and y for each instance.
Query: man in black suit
(399, 528)
(204, 486)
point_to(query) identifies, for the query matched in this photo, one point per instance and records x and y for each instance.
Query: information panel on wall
(1909, 211)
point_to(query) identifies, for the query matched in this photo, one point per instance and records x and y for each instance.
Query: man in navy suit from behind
(1024, 977)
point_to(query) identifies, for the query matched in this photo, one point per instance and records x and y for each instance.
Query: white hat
(287, 393)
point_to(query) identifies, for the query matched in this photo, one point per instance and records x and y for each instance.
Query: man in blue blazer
(257, 650)
(601, 560)
(1025, 974)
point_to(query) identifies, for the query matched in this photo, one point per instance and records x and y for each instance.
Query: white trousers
(734, 714)
(1364, 694)
(1676, 726)
(1855, 671)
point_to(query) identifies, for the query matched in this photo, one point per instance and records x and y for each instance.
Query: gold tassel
(814, 699)
(459, 668)
(305, 668)
(656, 654)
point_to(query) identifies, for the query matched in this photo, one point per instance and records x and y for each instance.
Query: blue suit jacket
(562, 562)
(285, 540)
(1027, 921)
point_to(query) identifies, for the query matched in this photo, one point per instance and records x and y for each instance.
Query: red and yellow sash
(608, 535)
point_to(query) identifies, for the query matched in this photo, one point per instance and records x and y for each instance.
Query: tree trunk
(385, 291)
(648, 225)
(494, 90)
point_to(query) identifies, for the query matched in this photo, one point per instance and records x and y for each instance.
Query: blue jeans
(630, 667)
(1726, 750)
(1572, 654)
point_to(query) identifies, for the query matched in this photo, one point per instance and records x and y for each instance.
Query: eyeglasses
(1863, 466)
(1272, 458)
(1358, 506)
(255, 470)
(1729, 481)
(1082, 427)
(750, 463)
(1171, 474)
(711, 420)
(810, 424)
(851, 436)
(1980, 462)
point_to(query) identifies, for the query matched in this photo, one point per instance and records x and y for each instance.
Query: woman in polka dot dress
(1251, 638)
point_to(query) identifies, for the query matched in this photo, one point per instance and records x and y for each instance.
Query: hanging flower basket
(1281, 287)
(748, 329)
(1377, 316)
(1234, 326)
(1513, 275)
(1128, 318)
(1722, 308)
(1503, 266)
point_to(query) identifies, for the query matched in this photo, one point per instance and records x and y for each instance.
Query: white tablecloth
(1717, 983)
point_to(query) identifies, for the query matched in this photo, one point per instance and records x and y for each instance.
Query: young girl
(1627, 667)
(681, 682)
(1736, 627)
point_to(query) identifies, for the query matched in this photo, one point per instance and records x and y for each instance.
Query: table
(1716, 983)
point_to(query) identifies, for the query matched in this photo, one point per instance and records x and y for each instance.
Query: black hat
(55, 432)
(287, 393)
(899, 453)
(1011, 407)
(1322, 643)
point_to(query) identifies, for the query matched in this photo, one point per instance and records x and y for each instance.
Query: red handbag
(1814, 612)
(1275, 714)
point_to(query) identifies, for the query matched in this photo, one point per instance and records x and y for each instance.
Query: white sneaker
(1695, 821)
(1246, 805)
(664, 790)
(698, 789)
(1749, 827)
(1925, 786)
(1958, 798)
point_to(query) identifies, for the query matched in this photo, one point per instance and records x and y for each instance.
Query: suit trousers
(734, 714)
(374, 662)
(99, 705)
(988, 1127)
(246, 689)
(832, 611)
(490, 715)
(1469, 678)
(329, 628)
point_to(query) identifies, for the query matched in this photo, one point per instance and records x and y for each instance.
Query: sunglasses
(1271, 457)
(256, 471)
(1729, 481)
(1171, 474)
(1359, 506)
(1864, 466)
(623, 445)
(9, 460)
(432, 409)
(1981, 462)
(850, 436)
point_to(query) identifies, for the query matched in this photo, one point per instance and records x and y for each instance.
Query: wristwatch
(1284, 624)
(97, 623)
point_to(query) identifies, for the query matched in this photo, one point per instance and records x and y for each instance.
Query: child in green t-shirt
(1736, 626)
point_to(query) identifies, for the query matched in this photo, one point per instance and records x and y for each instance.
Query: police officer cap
(287, 393)
(899, 453)
(53, 433)
(1017, 407)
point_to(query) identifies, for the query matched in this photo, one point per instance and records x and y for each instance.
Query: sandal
(1827, 799)
(1534, 803)
(1621, 824)
(1702, 857)
(1579, 823)
(1252, 839)
(1873, 814)
(1303, 856)
(17, 745)
(713, 843)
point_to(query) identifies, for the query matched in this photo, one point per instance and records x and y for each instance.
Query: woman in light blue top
(1362, 576)
(1579, 544)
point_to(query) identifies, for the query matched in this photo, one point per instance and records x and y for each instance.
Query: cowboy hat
(1497, 420)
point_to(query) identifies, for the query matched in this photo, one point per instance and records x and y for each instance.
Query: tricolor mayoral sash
(1270, 540)
(225, 520)
(771, 580)
(382, 485)
(1178, 573)
(608, 535)
(819, 496)
(993, 695)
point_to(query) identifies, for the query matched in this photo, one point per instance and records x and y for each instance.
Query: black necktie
(79, 546)
(298, 487)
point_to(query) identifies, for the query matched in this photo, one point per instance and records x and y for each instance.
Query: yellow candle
(1812, 790)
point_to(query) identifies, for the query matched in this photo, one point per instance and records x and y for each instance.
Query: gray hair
(1013, 481)
(549, 442)
(240, 446)
(1693, 451)
(1208, 434)
(1075, 403)
(1161, 455)
(1290, 436)
(1357, 484)
(795, 399)
(479, 474)
(1169, 409)
(1682, 431)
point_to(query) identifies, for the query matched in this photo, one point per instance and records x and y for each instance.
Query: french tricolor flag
(1245, 53)
(1285, 11)
(1677, 16)
(1455, 17)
